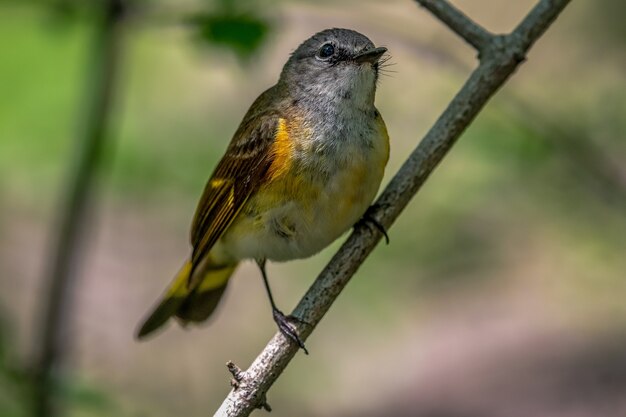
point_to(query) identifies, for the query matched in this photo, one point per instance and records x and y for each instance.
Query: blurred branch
(65, 255)
(500, 55)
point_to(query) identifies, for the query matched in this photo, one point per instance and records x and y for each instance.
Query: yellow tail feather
(189, 304)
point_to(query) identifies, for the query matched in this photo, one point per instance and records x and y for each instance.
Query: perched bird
(302, 168)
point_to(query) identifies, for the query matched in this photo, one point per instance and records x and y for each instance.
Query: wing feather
(236, 177)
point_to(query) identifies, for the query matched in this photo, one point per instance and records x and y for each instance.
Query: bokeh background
(502, 292)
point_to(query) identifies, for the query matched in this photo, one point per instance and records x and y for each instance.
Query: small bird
(302, 168)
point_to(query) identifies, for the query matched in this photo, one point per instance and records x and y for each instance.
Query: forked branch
(500, 55)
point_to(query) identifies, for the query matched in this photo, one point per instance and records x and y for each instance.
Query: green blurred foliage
(83, 399)
(12, 379)
(243, 33)
(59, 13)
(36, 131)
(607, 21)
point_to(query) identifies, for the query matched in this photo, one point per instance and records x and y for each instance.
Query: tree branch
(500, 56)
(470, 31)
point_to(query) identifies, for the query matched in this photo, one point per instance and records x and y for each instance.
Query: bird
(302, 168)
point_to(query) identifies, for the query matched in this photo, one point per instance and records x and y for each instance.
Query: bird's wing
(238, 175)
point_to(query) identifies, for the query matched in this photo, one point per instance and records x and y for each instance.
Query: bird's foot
(369, 221)
(287, 328)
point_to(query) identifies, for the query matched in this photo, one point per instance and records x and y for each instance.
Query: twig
(500, 56)
(236, 372)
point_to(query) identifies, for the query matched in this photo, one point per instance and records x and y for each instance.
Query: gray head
(333, 64)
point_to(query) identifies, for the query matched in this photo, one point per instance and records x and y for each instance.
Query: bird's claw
(288, 329)
(369, 221)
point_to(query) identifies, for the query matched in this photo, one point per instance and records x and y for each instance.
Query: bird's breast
(325, 181)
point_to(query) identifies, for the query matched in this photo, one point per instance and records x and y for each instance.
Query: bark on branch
(499, 55)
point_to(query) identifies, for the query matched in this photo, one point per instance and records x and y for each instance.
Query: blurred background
(502, 291)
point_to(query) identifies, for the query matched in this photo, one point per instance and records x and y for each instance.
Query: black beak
(372, 56)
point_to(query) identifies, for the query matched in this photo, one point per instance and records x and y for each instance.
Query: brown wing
(235, 178)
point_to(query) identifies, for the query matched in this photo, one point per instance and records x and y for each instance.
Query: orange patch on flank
(282, 151)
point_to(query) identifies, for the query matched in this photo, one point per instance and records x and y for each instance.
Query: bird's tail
(190, 303)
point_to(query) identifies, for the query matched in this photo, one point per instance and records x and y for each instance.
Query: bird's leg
(369, 221)
(285, 327)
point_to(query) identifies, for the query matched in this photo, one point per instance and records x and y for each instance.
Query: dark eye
(326, 51)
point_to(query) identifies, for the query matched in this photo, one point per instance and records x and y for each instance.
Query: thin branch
(546, 11)
(56, 312)
(502, 56)
(466, 28)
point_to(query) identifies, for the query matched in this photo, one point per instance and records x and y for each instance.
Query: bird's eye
(326, 51)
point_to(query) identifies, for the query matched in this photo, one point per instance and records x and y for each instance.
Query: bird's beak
(372, 56)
